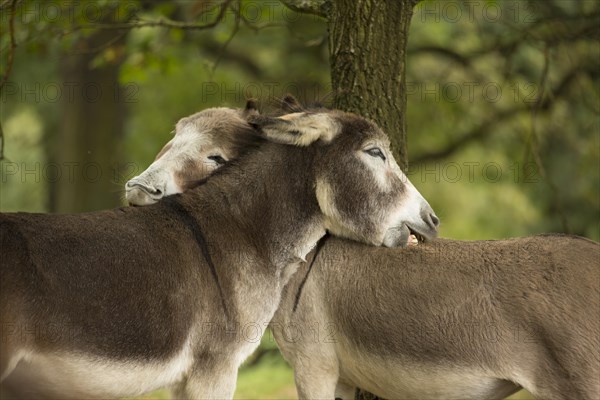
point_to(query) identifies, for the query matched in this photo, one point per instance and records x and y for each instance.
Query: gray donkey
(446, 319)
(118, 303)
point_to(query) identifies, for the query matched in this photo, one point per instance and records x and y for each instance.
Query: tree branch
(442, 51)
(476, 133)
(162, 22)
(543, 30)
(227, 54)
(487, 126)
(315, 7)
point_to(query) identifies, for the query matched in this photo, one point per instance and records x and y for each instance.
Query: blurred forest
(503, 106)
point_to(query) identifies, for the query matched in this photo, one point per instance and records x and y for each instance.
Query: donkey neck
(268, 196)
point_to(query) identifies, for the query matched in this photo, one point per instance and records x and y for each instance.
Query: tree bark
(368, 47)
(315, 7)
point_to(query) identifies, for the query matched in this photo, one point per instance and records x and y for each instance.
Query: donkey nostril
(151, 190)
(435, 220)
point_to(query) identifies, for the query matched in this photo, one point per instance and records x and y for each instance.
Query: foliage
(503, 115)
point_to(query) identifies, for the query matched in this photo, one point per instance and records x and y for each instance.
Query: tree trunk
(368, 48)
(367, 45)
(88, 143)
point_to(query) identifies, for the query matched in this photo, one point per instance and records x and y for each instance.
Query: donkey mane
(193, 225)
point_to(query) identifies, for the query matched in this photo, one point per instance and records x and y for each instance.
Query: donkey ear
(251, 108)
(290, 104)
(298, 129)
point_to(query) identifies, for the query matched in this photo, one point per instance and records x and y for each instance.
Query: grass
(271, 379)
(521, 395)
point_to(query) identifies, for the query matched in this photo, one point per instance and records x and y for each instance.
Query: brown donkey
(202, 142)
(446, 319)
(118, 303)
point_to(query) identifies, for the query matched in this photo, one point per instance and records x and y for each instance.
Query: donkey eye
(375, 152)
(218, 159)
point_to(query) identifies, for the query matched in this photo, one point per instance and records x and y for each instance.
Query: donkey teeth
(412, 240)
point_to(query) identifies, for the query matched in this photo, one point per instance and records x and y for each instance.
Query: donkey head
(202, 142)
(359, 187)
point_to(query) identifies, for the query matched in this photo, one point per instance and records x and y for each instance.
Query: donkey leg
(208, 382)
(565, 372)
(178, 390)
(569, 381)
(549, 382)
(315, 383)
(344, 391)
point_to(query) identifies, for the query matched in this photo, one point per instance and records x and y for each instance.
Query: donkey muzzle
(141, 194)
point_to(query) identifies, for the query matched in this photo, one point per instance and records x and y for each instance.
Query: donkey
(202, 142)
(118, 303)
(446, 319)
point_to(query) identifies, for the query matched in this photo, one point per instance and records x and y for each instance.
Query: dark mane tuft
(289, 104)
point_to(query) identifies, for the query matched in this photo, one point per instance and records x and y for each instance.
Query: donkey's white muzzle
(141, 194)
